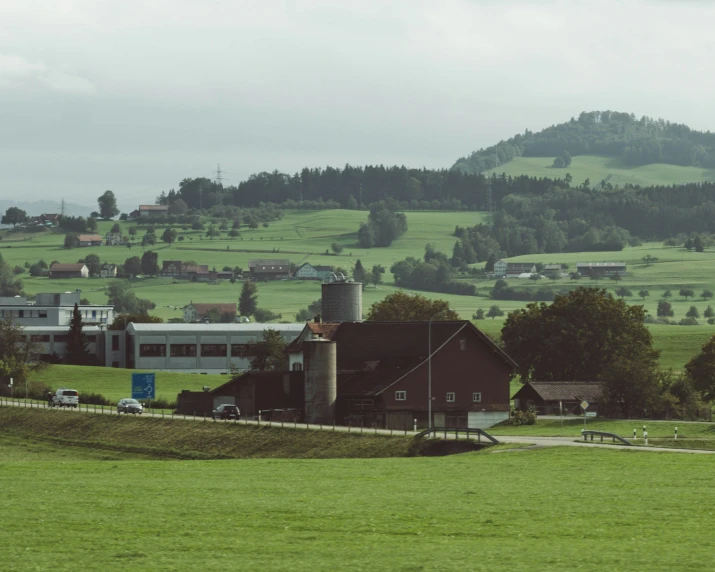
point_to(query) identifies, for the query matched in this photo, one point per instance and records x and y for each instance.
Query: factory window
(297, 366)
(152, 350)
(213, 350)
(400, 395)
(450, 397)
(183, 350)
(43, 313)
(477, 397)
(40, 338)
(115, 343)
(462, 345)
(239, 350)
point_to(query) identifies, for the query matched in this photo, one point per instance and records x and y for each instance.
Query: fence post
(676, 434)
(645, 436)
(635, 434)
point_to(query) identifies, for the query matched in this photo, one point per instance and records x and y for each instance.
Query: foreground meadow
(549, 509)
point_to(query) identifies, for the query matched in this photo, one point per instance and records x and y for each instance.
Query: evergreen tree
(248, 301)
(77, 345)
(359, 273)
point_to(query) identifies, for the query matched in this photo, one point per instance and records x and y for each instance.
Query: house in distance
(196, 312)
(307, 271)
(504, 269)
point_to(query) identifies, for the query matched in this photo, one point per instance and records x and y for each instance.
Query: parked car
(226, 412)
(65, 398)
(129, 406)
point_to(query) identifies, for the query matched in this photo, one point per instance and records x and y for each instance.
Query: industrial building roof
(213, 328)
(59, 329)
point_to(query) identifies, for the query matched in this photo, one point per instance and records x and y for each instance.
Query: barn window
(450, 397)
(477, 397)
(462, 345)
(400, 395)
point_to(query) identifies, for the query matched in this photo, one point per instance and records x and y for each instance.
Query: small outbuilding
(554, 397)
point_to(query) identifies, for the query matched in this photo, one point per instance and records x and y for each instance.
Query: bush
(690, 321)
(163, 403)
(263, 315)
(519, 417)
(93, 399)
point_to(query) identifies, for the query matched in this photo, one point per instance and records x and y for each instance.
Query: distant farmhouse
(262, 270)
(108, 271)
(150, 211)
(113, 239)
(309, 272)
(555, 397)
(184, 271)
(600, 268)
(504, 269)
(90, 240)
(198, 312)
(44, 220)
(553, 271)
(77, 270)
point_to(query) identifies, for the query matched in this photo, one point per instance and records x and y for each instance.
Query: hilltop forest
(635, 141)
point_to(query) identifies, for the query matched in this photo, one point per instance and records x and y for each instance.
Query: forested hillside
(621, 135)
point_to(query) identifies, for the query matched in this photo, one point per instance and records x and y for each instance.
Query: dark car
(226, 412)
(129, 406)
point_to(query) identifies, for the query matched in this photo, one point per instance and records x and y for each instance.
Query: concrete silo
(341, 301)
(320, 371)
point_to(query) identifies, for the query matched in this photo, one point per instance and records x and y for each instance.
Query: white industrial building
(53, 309)
(190, 348)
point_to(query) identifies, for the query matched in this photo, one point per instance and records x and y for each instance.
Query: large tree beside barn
(402, 307)
(586, 335)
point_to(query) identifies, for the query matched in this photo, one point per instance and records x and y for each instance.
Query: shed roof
(67, 267)
(153, 208)
(566, 390)
(89, 238)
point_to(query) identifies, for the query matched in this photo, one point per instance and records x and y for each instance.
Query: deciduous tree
(107, 205)
(402, 307)
(14, 216)
(267, 353)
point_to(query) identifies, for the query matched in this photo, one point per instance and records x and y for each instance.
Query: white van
(65, 398)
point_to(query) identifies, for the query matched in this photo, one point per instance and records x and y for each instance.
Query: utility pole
(219, 184)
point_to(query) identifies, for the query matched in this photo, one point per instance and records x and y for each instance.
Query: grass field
(596, 168)
(550, 509)
(305, 235)
(114, 383)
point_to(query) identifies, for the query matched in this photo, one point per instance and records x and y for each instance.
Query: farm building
(600, 268)
(153, 211)
(309, 272)
(90, 240)
(198, 312)
(380, 376)
(553, 270)
(113, 239)
(553, 397)
(108, 271)
(69, 270)
(269, 269)
(179, 269)
(504, 269)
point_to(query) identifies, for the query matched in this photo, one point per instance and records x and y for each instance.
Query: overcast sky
(135, 95)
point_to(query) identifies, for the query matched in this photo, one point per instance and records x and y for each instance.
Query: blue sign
(143, 385)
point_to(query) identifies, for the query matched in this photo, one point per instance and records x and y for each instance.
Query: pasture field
(115, 383)
(549, 509)
(305, 235)
(596, 168)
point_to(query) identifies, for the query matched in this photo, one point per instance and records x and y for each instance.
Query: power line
(219, 184)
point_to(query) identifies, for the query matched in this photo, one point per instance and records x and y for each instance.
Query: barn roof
(66, 267)
(89, 238)
(565, 390)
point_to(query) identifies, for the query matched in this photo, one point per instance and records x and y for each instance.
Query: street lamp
(429, 367)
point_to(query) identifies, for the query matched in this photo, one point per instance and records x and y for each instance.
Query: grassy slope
(114, 384)
(526, 510)
(597, 168)
(313, 232)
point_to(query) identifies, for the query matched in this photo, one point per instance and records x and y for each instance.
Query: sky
(136, 95)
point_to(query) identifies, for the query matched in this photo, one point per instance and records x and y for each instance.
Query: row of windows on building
(190, 350)
(86, 314)
(451, 396)
(58, 338)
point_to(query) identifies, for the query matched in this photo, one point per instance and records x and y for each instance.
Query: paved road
(527, 440)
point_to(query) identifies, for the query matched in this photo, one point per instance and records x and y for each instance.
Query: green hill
(629, 143)
(600, 168)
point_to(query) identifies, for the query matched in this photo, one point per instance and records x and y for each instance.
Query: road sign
(584, 405)
(591, 414)
(143, 385)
